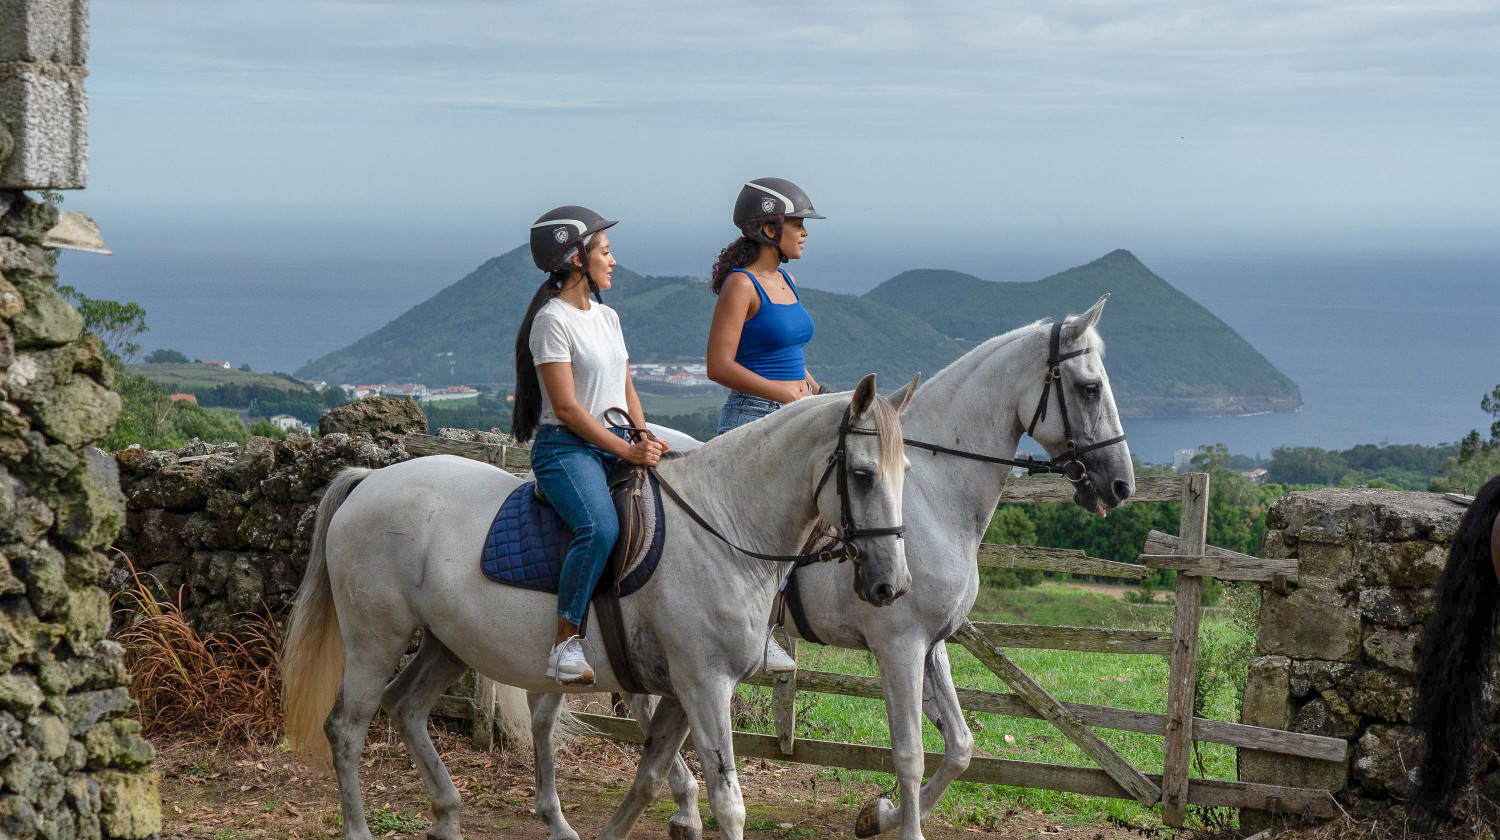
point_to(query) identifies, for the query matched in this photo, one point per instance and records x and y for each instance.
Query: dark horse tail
(1454, 658)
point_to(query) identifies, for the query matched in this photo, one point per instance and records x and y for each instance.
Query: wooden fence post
(485, 724)
(784, 702)
(1193, 540)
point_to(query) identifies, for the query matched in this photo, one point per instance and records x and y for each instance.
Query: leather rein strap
(848, 530)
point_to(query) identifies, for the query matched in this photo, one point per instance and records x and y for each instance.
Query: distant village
(685, 375)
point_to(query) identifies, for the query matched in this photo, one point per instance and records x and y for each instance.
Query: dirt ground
(241, 794)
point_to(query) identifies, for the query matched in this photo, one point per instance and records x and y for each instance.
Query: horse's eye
(864, 475)
(1091, 390)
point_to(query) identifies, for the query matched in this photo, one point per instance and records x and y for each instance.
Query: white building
(453, 392)
(1182, 459)
(288, 423)
(416, 391)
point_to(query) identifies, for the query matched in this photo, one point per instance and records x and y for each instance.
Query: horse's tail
(1453, 660)
(312, 660)
(513, 716)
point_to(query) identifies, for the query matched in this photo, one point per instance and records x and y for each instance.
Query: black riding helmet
(773, 201)
(558, 233)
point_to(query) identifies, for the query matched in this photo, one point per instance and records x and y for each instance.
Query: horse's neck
(971, 405)
(753, 487)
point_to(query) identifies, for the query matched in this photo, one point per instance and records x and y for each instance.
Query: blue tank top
(771, 340)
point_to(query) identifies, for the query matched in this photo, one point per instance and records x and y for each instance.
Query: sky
(1087, 124)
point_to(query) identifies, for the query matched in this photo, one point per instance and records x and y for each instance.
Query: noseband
(1067, 464)
(848, 531)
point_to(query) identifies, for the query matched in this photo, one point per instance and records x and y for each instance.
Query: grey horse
(980, 403)
(397, 549)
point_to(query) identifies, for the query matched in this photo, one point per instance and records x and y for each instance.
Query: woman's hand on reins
(645, 453)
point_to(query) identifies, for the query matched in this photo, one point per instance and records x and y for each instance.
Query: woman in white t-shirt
(572, 367)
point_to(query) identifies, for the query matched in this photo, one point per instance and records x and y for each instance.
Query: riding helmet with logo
(772, 200)
(558, 233)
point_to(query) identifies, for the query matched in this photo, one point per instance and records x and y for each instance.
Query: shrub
(225, 684)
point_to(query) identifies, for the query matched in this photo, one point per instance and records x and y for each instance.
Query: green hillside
(1168, 356)
(665, 319)
(190, 376)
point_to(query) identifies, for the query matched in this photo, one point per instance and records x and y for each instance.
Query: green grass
(197, 375)
(1119, 680)
(448, 405)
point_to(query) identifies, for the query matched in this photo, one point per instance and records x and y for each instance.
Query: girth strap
(791, 598)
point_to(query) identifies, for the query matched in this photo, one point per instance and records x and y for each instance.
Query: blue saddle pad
(528, 540)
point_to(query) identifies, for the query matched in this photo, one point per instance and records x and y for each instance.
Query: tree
(163, 356)
(117, 324)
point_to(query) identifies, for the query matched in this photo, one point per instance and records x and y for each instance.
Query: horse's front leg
(707, 706)
(544, 712)
(665, 732)
(687, 823)
(901, 677)
(940, 701)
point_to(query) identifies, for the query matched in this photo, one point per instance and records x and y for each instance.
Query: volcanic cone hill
(1168, 356)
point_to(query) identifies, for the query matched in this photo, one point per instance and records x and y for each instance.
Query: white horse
(981, 404)
(397, 549)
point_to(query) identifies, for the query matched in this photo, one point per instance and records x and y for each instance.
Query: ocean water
(1386, 348)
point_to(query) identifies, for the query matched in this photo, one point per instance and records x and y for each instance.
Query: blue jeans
(742, 408)
(572, 474)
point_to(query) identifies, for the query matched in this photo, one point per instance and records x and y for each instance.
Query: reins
(844, 549)
(1068, 464)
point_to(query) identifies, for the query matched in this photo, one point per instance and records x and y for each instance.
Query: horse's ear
(864, 396)
(1081, 323)
(902, 398)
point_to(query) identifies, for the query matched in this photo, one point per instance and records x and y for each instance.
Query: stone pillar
(73, 765)
(43, 108)
(1336, 652)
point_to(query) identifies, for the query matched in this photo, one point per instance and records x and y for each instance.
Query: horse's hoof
(867, 824)
(436, 833)
(684, 832)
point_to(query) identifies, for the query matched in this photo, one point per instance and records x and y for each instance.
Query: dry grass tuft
(225, 684)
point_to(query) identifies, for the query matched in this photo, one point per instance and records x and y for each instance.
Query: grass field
(197, 375)
(1124, 681)
(447, 405)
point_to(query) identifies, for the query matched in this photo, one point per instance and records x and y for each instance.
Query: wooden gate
(1189, 555)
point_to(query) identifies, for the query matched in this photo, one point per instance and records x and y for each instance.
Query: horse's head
(861, 489)
(1080, 414)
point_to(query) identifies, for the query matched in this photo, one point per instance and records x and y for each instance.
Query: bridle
(838, 465)
(1067, 464)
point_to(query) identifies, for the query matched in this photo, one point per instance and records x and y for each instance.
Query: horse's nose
(884, 592)
(1122, 489)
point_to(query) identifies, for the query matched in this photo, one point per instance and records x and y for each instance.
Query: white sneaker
(777, 660)
(567, 665)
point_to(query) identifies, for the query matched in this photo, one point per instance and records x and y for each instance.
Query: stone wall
(72, 762)
(225, 528)
(1336, 653)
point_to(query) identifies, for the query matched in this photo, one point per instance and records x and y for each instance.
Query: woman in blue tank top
(760, 326)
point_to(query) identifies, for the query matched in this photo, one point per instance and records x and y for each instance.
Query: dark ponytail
(740, 253)
(528, 408)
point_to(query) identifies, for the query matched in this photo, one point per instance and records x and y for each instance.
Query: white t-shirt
(592, 343)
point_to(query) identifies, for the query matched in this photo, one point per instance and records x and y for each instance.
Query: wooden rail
(1044, 559)
(1000, 771)
(1156, 488)
(1241, 735)
(1086, 639)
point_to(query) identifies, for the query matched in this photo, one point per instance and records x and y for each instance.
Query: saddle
(528, 540)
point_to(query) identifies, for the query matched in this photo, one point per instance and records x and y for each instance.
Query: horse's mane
(1454, 656)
